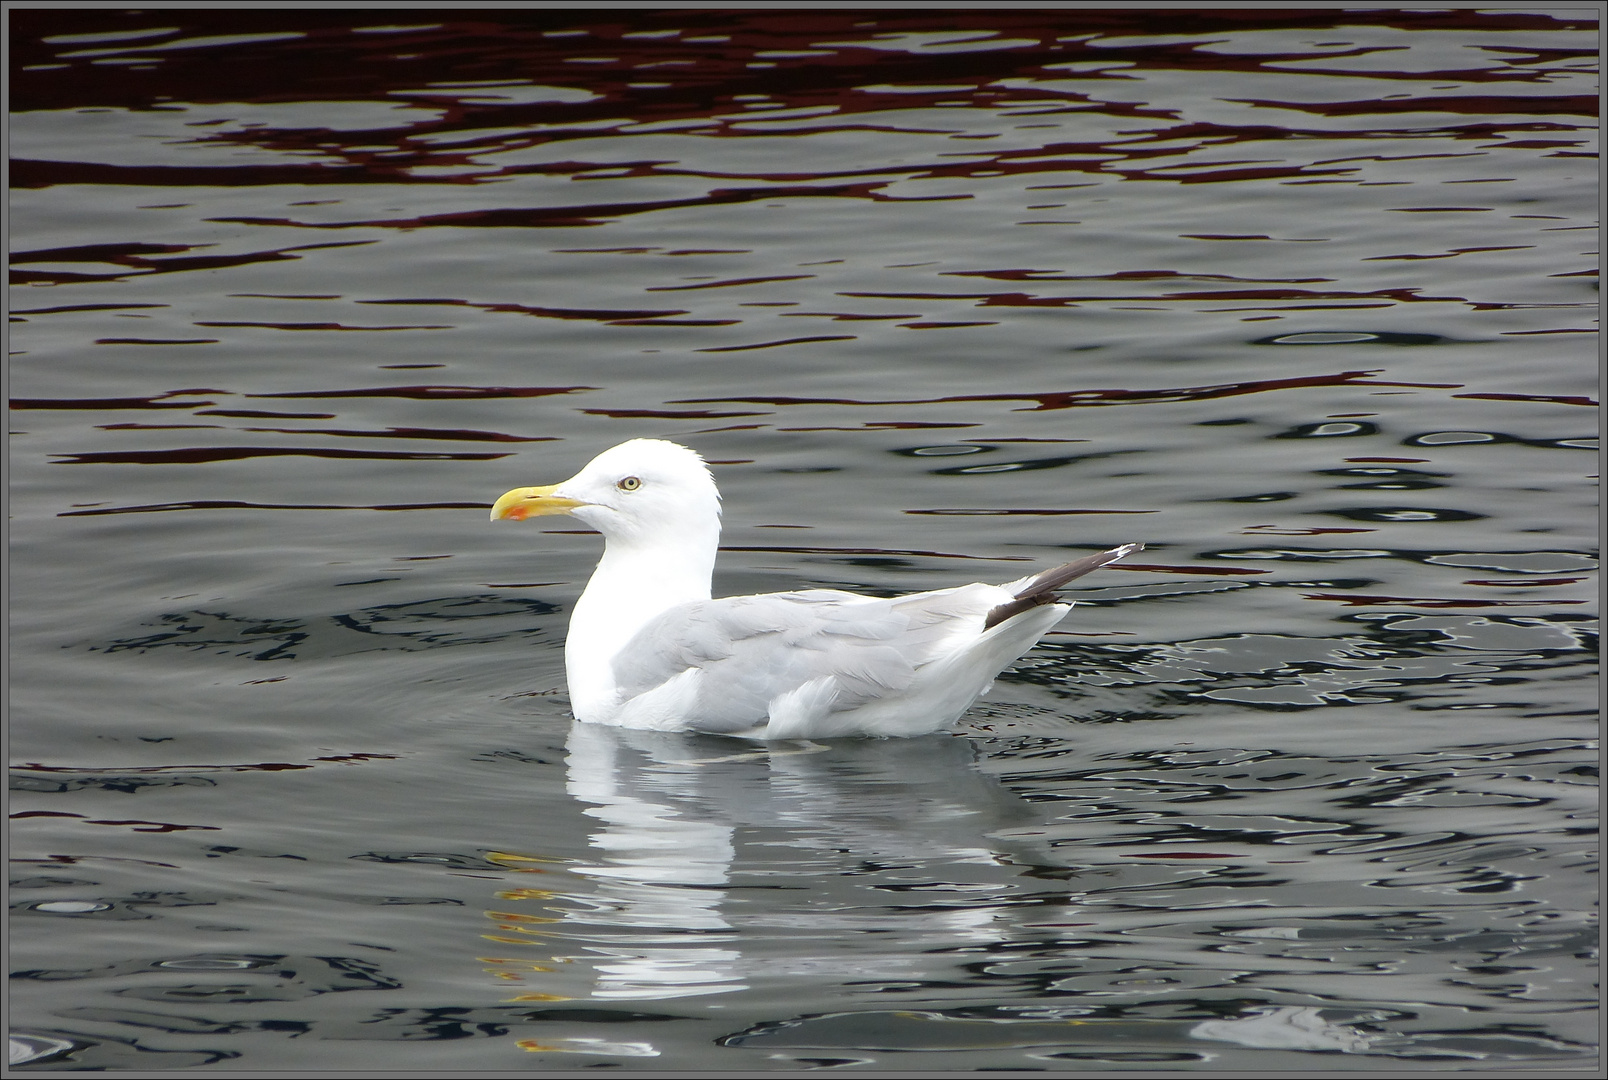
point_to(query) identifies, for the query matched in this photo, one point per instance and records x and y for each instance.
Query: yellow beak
(522, 503)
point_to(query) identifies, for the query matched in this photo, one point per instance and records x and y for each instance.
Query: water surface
(943, 297)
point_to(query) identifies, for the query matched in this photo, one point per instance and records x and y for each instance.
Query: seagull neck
(637, 579)
(633, 583)
(645, 579)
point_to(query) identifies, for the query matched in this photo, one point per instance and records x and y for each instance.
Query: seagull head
(639, 491)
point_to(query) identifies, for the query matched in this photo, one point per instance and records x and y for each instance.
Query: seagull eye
(630, 483)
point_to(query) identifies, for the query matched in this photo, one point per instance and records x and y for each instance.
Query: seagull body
(649, 648)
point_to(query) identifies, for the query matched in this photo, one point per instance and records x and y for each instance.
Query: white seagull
(649, 648)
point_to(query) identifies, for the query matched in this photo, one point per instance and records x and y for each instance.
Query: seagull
(649, 648)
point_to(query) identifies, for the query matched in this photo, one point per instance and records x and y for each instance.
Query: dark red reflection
(155, 341)
(1355, 600)
(155, 401)
(728, 284)
(1559, 399)
(138, 259)
(450, 434)
(267, 766)
(1017, 299)
(1121, 275)
(962, 512)
(431, 393)
(138, 824)
(262, 414)
(202, 455)
(233, 504)
(1068, 399)
(775, 344)
(666, 414)
(318, 326)
(1541, 105)
(597, 315)
(704, 67)
(83, 307)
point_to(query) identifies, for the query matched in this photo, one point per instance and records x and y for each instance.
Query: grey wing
(751, 649)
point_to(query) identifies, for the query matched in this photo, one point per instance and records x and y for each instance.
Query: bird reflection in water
(685, 825)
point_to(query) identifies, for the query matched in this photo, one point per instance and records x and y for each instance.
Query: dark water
(1309, 784)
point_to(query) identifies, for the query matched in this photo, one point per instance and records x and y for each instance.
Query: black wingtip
(1040, 589)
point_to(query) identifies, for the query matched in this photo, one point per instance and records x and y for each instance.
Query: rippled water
(944, 297)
